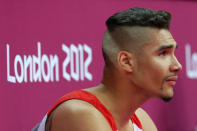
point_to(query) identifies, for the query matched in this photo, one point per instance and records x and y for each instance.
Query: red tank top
(90, 98)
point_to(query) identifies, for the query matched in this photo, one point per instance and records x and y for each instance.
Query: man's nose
(176, 66)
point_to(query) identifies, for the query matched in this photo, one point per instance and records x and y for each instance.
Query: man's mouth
(172, 80)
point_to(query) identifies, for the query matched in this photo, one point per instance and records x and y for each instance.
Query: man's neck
(121, 101)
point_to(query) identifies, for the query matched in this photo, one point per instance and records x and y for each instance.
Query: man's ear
(126, 61)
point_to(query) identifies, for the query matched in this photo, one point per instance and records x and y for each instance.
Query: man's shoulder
(146, 121)
(78, 115)
(75, 108)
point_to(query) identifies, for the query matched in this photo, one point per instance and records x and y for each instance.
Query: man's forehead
(165, 35)
(165, 38)
(161, 37)
(149, 34)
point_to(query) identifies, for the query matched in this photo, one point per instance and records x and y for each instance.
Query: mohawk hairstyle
(139, 17)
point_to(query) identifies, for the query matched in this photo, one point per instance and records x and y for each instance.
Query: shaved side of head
(125, 38)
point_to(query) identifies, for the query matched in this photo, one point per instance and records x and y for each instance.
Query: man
(140, 64)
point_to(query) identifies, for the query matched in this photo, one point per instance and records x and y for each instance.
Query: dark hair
(134, 17)
(139, 17)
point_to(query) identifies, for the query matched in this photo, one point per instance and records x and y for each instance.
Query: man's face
(157, 66)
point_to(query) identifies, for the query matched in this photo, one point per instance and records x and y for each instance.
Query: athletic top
(90, 98)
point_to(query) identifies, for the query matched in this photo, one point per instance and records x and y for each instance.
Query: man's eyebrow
(163, 47)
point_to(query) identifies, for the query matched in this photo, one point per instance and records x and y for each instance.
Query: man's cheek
(158, 74)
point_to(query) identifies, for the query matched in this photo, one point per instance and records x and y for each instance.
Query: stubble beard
(166, 99)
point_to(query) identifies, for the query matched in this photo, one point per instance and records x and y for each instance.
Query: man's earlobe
(125, 61)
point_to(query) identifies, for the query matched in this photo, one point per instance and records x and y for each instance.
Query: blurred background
(49, 48)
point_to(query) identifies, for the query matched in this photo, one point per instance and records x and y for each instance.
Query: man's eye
(163, 53)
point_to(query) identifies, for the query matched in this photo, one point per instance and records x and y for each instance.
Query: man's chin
(166, 99)
(168, 94)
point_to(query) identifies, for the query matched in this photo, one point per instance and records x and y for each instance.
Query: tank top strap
(90, 98)
(136, 122)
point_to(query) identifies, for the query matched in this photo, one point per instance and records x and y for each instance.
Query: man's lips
(172, 80)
